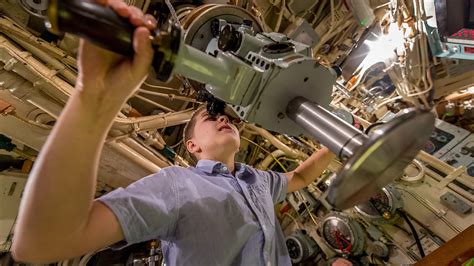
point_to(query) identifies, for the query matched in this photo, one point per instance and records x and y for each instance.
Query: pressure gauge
(343, 234)
(344, 115)
(381, 207)
(301, 246)
(35, 7)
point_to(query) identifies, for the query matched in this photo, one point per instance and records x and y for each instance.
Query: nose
(223, 118)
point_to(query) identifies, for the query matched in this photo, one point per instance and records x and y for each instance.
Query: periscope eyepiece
(214, 106)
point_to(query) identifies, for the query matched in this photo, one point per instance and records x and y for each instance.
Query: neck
(227, 160)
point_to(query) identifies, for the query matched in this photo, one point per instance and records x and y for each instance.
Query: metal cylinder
(229, 78)
(199, 66)
(333, 132)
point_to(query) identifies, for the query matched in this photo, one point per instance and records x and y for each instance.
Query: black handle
(94, 22)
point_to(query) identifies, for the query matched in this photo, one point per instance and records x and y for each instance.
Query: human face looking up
(214, 138)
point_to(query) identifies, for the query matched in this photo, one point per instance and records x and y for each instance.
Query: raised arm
(58, 218)
(309, 170)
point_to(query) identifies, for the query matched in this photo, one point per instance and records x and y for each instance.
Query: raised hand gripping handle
(93, 22)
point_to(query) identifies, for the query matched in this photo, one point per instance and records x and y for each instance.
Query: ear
(192, 146)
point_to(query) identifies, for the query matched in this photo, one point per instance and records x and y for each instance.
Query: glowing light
(383, 48)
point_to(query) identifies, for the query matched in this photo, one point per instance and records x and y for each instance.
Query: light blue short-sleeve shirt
(204, 215)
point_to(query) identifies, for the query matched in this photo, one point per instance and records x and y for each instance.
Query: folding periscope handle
(92, 21)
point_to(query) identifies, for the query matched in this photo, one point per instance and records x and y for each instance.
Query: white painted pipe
(290, 152)
(263, 165)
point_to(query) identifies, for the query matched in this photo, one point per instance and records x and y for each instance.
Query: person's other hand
(109, 78)
(341, 262)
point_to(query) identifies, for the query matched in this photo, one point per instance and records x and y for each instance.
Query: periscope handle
(96, 23)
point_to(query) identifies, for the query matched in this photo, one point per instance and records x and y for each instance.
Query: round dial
(344, 115)
(337, 233)
(294, 248)
(301, 246)
(343, 234)
(382, 206)
(377, 205)
(35, 7)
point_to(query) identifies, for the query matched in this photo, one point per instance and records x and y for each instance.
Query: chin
(229, 142)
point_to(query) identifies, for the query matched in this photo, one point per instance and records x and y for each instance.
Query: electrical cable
(401, 228)
(162, 107)
(10, 234)
(413, 230)
(272, 165)
(310, 214)
(292, 218)
(142, 119)
(265, 150)
(168, 96)
(435, 211)
(382, 5)
(173, 13)
(177, 144)
(158, 86)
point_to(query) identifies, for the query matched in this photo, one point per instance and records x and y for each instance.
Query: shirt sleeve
(146, 209)
(278, 184)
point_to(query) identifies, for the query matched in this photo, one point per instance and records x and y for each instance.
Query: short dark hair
(188, 131)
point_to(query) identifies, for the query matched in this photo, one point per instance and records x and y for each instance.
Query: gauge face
(376, 205)
(294, 249)
(344, 115)
(470, 170)
(35, 7)
(429, 147)
(338, 234)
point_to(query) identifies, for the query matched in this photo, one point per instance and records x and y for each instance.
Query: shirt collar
(211, 166)
(240, 167)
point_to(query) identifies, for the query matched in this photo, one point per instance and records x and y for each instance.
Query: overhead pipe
(160, 162)
(290, 152)
(152, 122)
(24, 90)
(134, 156)
(31, 65)
(159, 143)
(47, 75)
(8, 26)
(61, 68)
(32, 72)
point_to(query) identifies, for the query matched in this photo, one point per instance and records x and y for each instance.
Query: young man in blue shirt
(217, 213)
